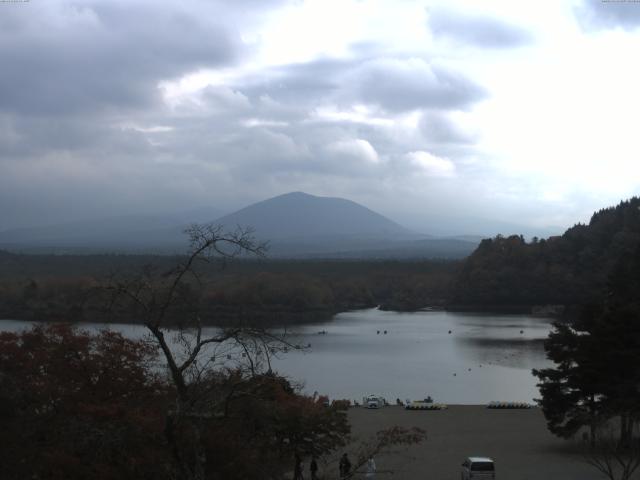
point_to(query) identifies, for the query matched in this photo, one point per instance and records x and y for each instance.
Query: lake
(484, 358)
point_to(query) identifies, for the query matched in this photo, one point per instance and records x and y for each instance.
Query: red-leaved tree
(75, 405)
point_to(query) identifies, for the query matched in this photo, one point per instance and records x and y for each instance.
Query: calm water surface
(484, 358)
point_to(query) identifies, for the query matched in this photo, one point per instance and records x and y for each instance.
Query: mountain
(296, 225)
(299, 225)
(443, 225)
(123, 233)
(304, 216)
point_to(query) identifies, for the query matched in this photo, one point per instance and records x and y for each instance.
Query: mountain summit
(300, 215)
(296, 225)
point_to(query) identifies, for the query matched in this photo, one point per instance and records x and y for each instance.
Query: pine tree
(571, 391)
(596, 376)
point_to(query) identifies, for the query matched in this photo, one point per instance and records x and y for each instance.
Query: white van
(476, 468)
(373, 401)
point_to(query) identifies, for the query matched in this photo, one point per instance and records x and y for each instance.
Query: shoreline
(316, 316)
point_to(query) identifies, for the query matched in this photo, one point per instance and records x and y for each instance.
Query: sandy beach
(517, 440)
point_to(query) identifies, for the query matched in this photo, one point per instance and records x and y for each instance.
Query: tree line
(260, 291)
(594, 384)
(571, 269)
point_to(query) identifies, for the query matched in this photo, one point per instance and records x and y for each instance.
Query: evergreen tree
(571, 391)
(596, 376)
(618, 333)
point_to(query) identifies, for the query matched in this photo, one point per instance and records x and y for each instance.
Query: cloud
(596, 14)
(315, 81)
(413, 83)
(395, 84)
(147, 106)
(149, 129)
(476, 30)
(79, 58)
(431, 165)
(438, 128)
(224, 99)
(262, 122)
(355, 148)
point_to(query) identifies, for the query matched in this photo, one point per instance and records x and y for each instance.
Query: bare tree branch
(614, 459)
(161, 298)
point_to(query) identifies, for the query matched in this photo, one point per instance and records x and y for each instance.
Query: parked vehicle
(373, 401)
(478, 468)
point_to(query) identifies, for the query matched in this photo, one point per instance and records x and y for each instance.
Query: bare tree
(613, 458)
(168, 302)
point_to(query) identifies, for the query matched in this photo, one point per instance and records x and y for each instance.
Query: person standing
(345, 466)
(313, 467)
(297, 470)
(371, 467)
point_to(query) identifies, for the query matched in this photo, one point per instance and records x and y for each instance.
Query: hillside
(300, 215)
(299, 225)
(510, 273)
(124, 233)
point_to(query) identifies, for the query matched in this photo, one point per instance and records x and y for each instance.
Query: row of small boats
(420, 405)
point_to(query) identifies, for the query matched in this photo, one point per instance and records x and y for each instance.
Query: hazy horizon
(437, 226)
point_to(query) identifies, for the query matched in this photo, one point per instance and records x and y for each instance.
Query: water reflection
(455, 358)
(514, 353)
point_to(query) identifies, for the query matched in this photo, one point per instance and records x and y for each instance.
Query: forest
(509, 273)
(262, 291)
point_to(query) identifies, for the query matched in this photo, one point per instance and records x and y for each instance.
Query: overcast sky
(520, 111)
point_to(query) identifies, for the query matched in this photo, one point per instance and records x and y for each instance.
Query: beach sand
(517, 440)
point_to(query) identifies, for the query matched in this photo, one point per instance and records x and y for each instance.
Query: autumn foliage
(75, 405)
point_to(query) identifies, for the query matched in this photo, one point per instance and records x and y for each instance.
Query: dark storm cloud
(476, 30)
(77, 58)
(609, 14)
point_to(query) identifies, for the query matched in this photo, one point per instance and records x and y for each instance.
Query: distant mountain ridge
(301, 215)
(296, 225)
(108, 233)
